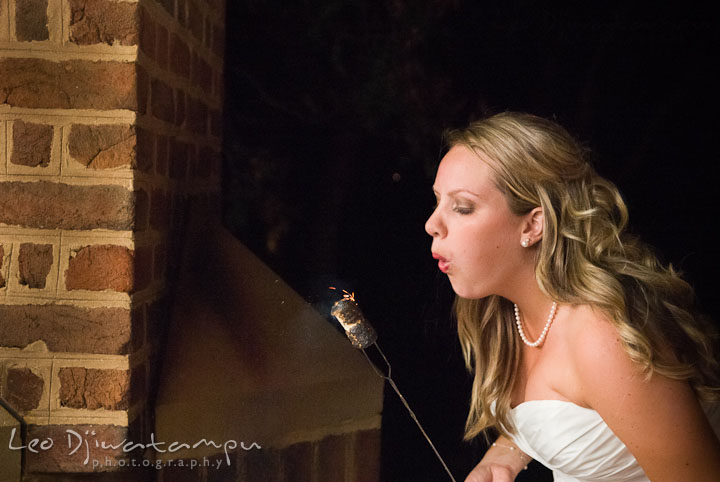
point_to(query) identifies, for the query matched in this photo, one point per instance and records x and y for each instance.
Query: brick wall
(109, 126)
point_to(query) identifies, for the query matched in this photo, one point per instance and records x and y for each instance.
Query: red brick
(58, 459)
(192, 160)
(143, 267)
(185, 470)
(138, 384)
(195, 21)
(179, 56)
(218, 5)
(142, 210)
(32, 144)
(197, 120)
(145, 157)
(205, 159)
(169, 6)
(137, 427)
(216, 123)
(50, 205)
(31, 20)
(143, 89)
(94, 388)
(221, 471)
(102, 267)
(159, 261)
(163, 143)
(264, 464)
(178, 159)
(218, 44)
(298, 460)
(159, 210)
(137, 337)
(144, 474)
(103, 21)
(180, 107)
(331, 458)
(103, 146)
(218, 85)
(72, 84)
(162, 101)
(157, 319)
(182, 13)
(24, 389)
(217, 164)
(178, 212)
(162, 47)
(147, 33)
(367, 456)
(201, 73)
(2, 261)
(35, 261)
(66, 328)
(207, 33)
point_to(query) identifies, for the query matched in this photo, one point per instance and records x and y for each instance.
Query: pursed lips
(443, 263)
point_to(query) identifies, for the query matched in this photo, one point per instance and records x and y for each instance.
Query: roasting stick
(362, 335)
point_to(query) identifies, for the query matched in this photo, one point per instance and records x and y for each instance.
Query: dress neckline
(549, 401)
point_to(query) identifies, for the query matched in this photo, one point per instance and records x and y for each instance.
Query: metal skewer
(362, 335)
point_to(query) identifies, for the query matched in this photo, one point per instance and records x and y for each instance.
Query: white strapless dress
(576, 443)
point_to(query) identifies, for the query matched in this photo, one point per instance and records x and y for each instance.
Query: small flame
(347, 312)
(346, 295)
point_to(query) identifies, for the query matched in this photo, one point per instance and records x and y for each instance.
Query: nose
(434, 226)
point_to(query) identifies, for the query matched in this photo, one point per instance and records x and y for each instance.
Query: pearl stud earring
(525, 243)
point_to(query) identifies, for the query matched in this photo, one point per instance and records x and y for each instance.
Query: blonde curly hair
(585, 257)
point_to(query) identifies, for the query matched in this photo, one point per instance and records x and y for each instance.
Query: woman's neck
(534, 306)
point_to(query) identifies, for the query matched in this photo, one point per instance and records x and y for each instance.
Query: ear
(532, 226)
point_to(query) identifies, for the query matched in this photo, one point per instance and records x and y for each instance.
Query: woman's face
(476, 238)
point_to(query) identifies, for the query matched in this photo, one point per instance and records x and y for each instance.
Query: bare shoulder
(604, 371)
(596, 345)
(658, 418)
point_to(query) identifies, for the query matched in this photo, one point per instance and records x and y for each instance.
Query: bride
(587, 354)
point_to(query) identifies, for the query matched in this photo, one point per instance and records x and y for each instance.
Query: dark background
(333, 123)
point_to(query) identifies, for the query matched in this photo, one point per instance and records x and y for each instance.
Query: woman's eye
(460, 209)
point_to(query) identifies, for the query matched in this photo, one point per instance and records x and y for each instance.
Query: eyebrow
(456, 191)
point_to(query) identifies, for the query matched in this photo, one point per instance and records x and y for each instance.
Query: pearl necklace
(545, 330)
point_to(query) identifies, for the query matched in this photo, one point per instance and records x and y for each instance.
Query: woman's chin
(467, 292)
